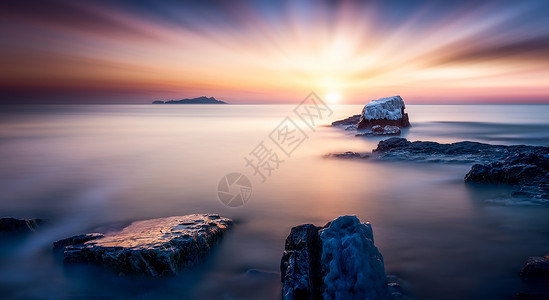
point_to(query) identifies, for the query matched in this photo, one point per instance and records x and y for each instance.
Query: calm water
(86, 168)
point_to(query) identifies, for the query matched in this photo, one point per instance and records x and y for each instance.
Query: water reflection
(90, 168)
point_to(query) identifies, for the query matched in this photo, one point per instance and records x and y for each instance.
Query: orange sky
(275, 53)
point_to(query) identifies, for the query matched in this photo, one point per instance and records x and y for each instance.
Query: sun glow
(333, 97)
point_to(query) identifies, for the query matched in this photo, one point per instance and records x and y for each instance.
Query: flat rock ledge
(157, 247)
(337, 261)
(466, 152)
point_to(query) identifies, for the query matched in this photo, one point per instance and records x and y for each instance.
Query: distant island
(199, 100)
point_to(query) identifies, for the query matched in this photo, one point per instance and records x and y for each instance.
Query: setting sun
(333, 97)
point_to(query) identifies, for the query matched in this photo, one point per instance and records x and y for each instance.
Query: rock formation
(526, 167)
(156, 247)
(337, 261)
(384, 116)
(384, 111)
(528, 170)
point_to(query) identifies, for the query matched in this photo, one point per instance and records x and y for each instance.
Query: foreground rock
(13, 227)
(157, 247)
(536, 268)
(337, 261)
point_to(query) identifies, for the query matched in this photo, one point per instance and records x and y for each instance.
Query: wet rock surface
(10, 227)
(467, 152)
(529, 171)
(526, 167)
(156, 247)
(337, 261)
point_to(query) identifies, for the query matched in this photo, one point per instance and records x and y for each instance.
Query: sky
(254, 52)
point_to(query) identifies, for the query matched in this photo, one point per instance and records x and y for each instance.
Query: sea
(97, 168)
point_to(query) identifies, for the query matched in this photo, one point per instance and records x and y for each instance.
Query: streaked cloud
(265, 52)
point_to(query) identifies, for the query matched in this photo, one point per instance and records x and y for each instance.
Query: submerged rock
(348, 154)
(536, 268)
(13, 226)
(384, 111)
(337, 261)
(156, 247)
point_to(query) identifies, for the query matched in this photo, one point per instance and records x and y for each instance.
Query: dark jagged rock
(383, 112)
(528, 171)
(381, 130)
(536, 268)
(401, 148)
(348, 154)
(12, 226)
(337, 261)
(352, 120)
(199, 100)
(526, 167)
(300, 265)
(157, 247)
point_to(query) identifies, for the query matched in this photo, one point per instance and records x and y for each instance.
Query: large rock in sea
(382, 112)
(337, 261)
(156, 247)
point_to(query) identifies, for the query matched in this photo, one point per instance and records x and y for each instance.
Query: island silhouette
(198, 100)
